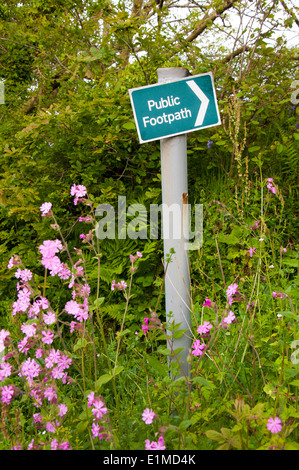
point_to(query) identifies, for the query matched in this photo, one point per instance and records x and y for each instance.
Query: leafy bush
(83, 368)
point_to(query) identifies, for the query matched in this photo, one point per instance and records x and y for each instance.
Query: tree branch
(235, 53)
(204, 23)
(290, 12)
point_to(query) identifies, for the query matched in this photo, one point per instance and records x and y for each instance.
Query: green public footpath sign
(173, 108)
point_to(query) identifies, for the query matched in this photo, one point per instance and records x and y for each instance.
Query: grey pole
(174, 200)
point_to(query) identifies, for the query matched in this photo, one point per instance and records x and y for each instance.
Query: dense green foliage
(67, 67)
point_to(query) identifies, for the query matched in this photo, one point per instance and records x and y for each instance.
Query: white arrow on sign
(204, 102)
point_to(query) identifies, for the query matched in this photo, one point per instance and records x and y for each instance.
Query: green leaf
(97, 303)
(118, 370)
(129, 125)
(203, 382)
(293, 263)
(96, 53)
(105, 378)
(85, 415)
(229, 240)
(164, 351)
(255, 148)
(123, 333)
(156, 364)
(82, 426)
(295, 382)
(81, 343)
(224, 446)
(214, 435)
(178, 334)
(291, 446)
(186, 423)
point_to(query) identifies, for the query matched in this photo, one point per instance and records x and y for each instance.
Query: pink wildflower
(62, 409)
(49, 318)
(99, 409)
(50, 394)
(198, 348)
(229, 319)
(256, 225)
(45, 208)
(270, 186)
(25, 345)
(207, 302)
(88, 218)
(160, 445)
(48, 337)
(81, 315)
(53, 264)
(78, 191)
(64, 272)
(23, 274)
(274, 425)
(74, 326)
(36, 395)
(72, 307)
(54, 444)
(53, 357)
(84, 291)
(64, 362)
(50, 427)
(90, 399)
(39, 353)
(5, 370)
(205, 328)
(7, 392)
(49, 248)
(3, 337)
(57, 373)
(145, 327)
(280, 295)
(37, 417)
(96, 430)
(23, 302)
(231, 290)
(120, 285)
(32, 446)
(148, 416)
(29, 369)
(64, 445)
(29, 329)
(10, 263)
(134, 258)
(43, 303)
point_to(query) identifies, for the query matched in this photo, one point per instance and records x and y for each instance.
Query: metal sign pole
(2, 93)
(175, 227)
